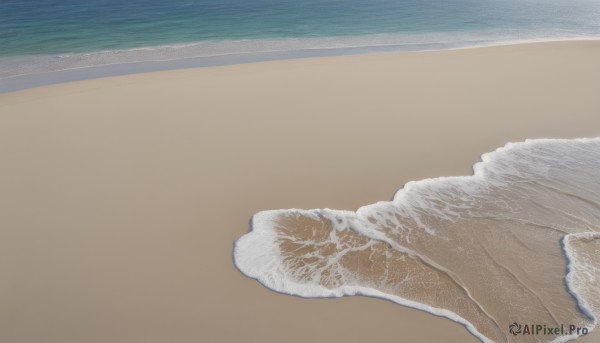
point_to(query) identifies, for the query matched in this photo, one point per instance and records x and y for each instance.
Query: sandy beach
(122, 196)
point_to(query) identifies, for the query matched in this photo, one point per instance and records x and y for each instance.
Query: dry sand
(121, 197)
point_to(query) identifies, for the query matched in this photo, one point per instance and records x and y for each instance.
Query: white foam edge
(479, 168)
(480, 171)
(257, 256)
(581, 303)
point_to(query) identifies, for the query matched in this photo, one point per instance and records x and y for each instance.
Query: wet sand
(121, 197)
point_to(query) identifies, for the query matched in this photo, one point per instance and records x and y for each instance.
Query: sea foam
(484, 250)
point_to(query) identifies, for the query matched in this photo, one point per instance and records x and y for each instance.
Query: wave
(485, 250)
(582, 251)
(245, 50)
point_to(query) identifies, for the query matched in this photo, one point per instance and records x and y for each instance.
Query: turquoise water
(41, 36)
(30, 27)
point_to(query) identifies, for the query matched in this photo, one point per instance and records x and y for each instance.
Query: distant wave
(518, 241)
(11, 67)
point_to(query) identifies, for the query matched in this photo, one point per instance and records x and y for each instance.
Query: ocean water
(516, 244)
(44, 36)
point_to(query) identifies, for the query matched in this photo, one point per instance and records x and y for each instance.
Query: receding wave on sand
(516, 242)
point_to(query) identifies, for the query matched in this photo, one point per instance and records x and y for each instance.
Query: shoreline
(263, 235)
(14, 83)
(123, 195)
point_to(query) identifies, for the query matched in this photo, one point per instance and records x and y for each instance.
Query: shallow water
(517, 242)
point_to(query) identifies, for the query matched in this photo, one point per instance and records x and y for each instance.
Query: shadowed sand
(121, 197)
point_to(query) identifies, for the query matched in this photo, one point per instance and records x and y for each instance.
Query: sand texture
(120, 198)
